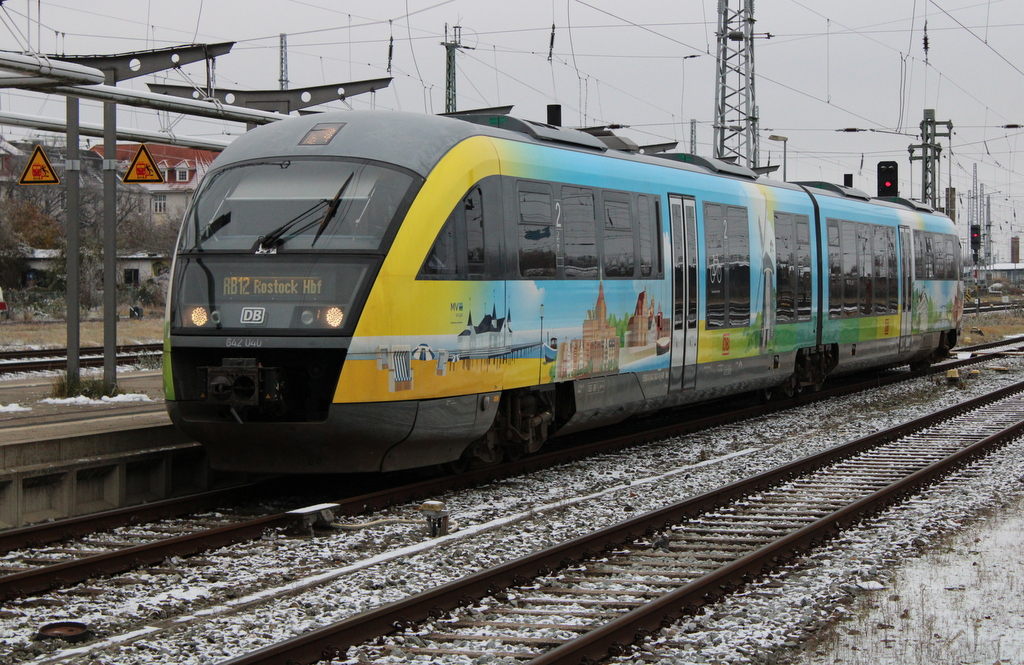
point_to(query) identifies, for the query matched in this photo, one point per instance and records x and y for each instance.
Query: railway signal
(888, 179)
(975, 240)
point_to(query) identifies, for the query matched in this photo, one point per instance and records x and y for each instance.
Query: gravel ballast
(236, 599)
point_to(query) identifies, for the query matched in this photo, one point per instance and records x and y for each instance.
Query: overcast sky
(828, 65)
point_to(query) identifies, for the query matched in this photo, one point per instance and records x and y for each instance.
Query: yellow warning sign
(39, 171)
(143, 168)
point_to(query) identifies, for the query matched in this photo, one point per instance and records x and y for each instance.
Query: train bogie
(401, 291)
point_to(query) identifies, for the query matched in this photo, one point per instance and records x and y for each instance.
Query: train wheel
(458, 467)
(766, 395)
(514, 452)
(920, 365)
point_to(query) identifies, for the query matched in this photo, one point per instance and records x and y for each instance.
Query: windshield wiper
(332, 209)
(214, 226)
(267, 244)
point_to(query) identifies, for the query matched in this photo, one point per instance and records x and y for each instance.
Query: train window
(714, 252)
(737, 235)
(536, 235)
(579, 225)
(473, 205)
(865, 268)
(851, 276)
(929, 256)
(881, 265)
(690, 219)
(458, 250)
(835, 271)
(618, 235)
(803, 267)
(951, 270)
(919, 255)
(284, 204)
(443, 259)
(785, 282)
(648, 235)
(659, 257)
(890, 253)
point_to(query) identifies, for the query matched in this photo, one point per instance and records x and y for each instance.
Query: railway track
(267, 609)
(56, 359)
(596, 596)
(82, 555)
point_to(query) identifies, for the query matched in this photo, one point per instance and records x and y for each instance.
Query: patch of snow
(11, 408)
(870, 585)
(81, 400)
(127, 397)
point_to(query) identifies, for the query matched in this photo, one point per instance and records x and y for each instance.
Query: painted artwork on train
(604, 327)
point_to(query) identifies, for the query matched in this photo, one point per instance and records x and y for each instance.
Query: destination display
(278, 287)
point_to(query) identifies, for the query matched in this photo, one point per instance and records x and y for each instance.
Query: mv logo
(254, 316)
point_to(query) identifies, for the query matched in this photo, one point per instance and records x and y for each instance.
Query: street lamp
(785, 140)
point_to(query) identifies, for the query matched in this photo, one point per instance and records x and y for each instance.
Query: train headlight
(307, 317)
(199, 316)
(333, 316)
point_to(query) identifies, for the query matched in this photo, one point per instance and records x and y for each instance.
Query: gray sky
(829, 65)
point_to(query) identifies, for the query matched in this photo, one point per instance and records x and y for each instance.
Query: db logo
(254, 316)
(725, 344)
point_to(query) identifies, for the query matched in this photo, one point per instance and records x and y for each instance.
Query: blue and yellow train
(373, 291)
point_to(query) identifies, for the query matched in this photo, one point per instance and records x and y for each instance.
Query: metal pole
(123, 134)
(110, 239)
(150, 100)
(74, 298)
(785, 178)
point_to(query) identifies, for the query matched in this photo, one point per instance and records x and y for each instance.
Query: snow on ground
(82, 400)
(960, 602)
(223, 603)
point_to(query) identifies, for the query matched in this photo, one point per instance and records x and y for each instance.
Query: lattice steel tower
(735, 106)
(451, 46)
(930, 153)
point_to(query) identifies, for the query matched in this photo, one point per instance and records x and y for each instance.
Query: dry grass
(92, 388)
(53, 334)
(993, 327)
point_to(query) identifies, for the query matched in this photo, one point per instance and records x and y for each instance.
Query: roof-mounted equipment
(537, 130)
(710, 163)
(848, 192)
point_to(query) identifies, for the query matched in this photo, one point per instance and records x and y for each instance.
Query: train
(375, 291)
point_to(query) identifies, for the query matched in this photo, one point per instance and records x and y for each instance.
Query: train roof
(417, 141)
(822, 188)
(410, 140)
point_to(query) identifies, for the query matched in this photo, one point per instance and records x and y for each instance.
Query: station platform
(59, 460)
(37, 420)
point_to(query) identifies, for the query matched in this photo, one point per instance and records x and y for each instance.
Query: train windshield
(295, 205)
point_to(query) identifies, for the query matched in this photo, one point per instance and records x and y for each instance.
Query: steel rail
(332, 641)
(37, 535)
(85, 350)
(56, 359)
(40, 579)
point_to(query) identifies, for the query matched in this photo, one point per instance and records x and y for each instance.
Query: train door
(683, 217)
(906, 288)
